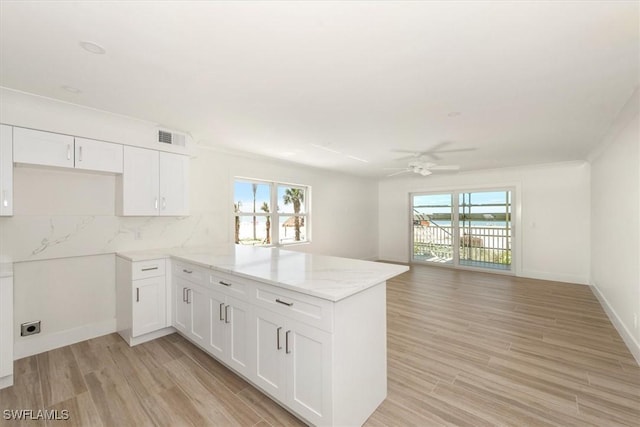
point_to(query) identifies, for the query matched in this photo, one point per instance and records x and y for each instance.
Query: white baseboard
(34, 344)
(627, 337)
(6, 381)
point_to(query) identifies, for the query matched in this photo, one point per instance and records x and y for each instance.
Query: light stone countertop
(322, 276)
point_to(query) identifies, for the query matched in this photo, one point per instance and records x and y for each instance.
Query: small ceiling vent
(174, 138)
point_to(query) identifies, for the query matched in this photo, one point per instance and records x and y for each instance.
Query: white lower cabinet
(142, 312)
(6, 331)
(293, 364)
(149, 305)
(214, 321)
(324, 361)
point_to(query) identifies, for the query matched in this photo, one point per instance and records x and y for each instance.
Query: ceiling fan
(423, 167)
(431, 153)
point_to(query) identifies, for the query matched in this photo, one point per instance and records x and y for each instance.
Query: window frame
(274, 210)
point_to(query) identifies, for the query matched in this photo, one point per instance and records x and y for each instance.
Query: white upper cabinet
(154, 183)
(174, 184)
(140, 182)
(98, 155)
(42, 148)
(6, 170)
(52, 149)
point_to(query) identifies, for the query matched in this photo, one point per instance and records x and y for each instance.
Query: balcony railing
(480, 246)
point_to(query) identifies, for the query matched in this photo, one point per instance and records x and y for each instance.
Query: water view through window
(471, 229)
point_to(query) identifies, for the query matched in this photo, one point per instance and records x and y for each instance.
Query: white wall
(65, 219)
(551, 215)
(615, 227)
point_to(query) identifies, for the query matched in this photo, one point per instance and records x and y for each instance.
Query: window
(463, 229)
(270, 213)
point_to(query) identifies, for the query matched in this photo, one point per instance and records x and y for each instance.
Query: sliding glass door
(467, 229)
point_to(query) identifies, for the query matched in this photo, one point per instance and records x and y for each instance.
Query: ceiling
(330, 84)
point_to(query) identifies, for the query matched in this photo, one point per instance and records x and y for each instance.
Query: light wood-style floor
(464, 348)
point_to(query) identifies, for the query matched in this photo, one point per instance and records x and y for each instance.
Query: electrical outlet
(137, 235)
(30, 328)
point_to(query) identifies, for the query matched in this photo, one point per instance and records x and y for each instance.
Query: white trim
(627, 337)
(35, 344)
(6, 381)
(133, 341)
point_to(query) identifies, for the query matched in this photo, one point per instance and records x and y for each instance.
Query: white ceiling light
(93, 47)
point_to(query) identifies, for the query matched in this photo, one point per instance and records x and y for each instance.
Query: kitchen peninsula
(308, 330)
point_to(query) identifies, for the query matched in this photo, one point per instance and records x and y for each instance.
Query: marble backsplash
(29, 238)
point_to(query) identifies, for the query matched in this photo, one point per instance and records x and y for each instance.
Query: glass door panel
(432, 234)
(484, 224)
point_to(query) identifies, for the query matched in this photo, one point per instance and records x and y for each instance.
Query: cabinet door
(270, 360)
(198, 303)
(140, 182)
(6, 326)
(217, 326)
(181, 311)
(238, 320)
(6, 170)
(149, 305)
(42, 148)
(174, 184)
(308, 354)
(98, 155)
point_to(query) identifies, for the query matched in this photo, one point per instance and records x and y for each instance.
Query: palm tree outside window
(270, 213)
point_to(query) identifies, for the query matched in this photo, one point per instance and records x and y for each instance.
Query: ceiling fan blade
(456, 150)
(392, 169)
(399, 173)
(445, 168)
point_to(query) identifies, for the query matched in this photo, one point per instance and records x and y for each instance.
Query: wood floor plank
(267, 409)
(26, 393)
(232, 381)
(116, 402)
(172, 407)
(80, 409)
(60, 376)
(140, 369)
(202, 386)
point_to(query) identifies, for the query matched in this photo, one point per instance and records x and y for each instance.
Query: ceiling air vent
(173, 138)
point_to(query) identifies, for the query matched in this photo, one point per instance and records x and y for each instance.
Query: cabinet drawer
(145, 269)
(230, 285)
(310, 310)
(190, 272)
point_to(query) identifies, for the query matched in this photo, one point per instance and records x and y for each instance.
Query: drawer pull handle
(224, 283)
(188, 296)
(184, 270)
(288, 304)
(184, 292)
(221, 315)
(286, 342)
(226, 314)
(137, 294)
(150, 268)
(278, 346)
